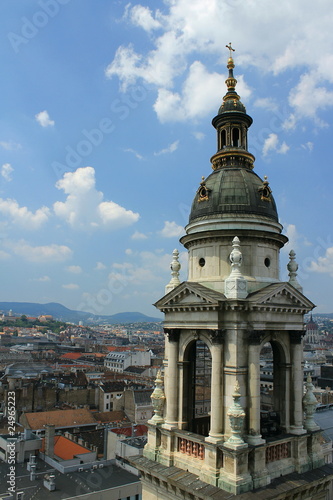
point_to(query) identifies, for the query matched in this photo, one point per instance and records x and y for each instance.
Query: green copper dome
(233, 190)
(232, 105)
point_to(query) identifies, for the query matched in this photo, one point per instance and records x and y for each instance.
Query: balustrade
(191, 448)
(278, 452)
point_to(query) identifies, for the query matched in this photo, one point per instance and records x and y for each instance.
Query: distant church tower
(311, 332)
(206, 437)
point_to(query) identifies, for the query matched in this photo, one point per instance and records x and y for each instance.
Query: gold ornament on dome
(203, 191)
(265, 191)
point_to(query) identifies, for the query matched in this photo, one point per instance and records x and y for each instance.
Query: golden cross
(230, 49)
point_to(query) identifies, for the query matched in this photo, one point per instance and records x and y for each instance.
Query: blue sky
(105, 133)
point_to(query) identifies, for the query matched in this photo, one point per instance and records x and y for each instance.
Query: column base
(236, 446)
(297, 430)
(311, 426)
(170, 426)
(215, 438)
(255, 440)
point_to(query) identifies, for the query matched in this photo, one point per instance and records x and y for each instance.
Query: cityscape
(166, 314)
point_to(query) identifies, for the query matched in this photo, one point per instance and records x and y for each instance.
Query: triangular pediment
(281, 295)
(190, 294)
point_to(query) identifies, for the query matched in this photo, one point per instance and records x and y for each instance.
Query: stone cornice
(235, 306)
(218, 236)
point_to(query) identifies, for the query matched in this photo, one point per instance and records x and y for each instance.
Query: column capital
(255, 337)
(217, 337)
(173, 334)
(296, 336)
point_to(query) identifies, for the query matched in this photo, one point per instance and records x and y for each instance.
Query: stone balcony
(234, 470)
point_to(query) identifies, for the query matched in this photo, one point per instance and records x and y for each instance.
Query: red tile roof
(71, 355)
(111, 416)
(59, 418)
(139, 430)
(65, 448)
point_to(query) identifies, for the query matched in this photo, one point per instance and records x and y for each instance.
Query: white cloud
(22, 216)
(292, 235)
(142, 17)
(138, 236)
(283, 149)
(170, 149)
(296, 240)
(266, 103)
(290, 122)
(10, 145)
(171, 229)
(136, 154)
(195, 99)
(272, 144)
(44, 253)
(71, 286)
(42, 279)
(190, 30)
(128, 251)
(99, 266)
(6, 171)
(151, 268)
(84, 207)
(309, 97)
(74, 269)
(308, 146)
(323, 264)
(4, 255)
(44, 120)
(199, 135)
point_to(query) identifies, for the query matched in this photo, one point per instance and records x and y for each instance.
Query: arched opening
(223, 139)
(272, 390)
(235, 137)
(197, 388)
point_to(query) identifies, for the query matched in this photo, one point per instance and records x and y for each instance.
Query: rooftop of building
(68, 485)
(59, 418)
(65, 448)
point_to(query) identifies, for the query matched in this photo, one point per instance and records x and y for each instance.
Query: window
(235, 137)
(223, 139)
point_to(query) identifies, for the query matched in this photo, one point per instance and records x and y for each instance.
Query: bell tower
(211, 429)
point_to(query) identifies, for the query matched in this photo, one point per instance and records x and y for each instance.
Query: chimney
(49, 440)
(32, 472)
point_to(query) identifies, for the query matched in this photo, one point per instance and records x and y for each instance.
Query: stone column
(171, 390)
(254, 436)
(296, 351)
(255, 338)
(215, 433)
